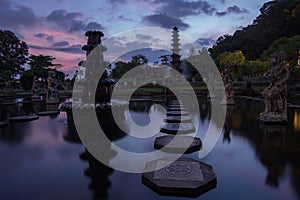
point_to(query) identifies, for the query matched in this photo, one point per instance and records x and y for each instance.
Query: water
(43, 159)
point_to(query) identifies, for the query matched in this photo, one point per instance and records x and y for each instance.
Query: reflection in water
(99, 175)
(272, 153)
(297, 121)
(228, 124)
(47, 160)
(15, 134)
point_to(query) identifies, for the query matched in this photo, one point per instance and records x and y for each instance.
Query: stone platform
(48, 113)
(178, 119)
(23, 118)
(186, 144)
(177, 113)
(3, 124)
(177, 109)
(177, 128)
(185, 177)
(270, 120)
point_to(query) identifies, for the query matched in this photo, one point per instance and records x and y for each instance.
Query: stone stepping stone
(185, 177)
(23, 118)
(177, 113)
(178, 119)
(177, 109)
(175, 104)
(48, 113)
(177, 128)
(3, 124)
(182, 144)
(8, 104)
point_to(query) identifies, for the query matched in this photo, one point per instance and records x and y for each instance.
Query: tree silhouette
(13, 54)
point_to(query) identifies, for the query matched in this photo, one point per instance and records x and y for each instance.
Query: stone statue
(276, 93)
(35, 89)
(228, 82)
(52, 92)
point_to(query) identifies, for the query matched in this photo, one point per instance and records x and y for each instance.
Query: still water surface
(43, 159)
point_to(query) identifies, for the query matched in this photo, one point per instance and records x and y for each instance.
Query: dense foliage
(13, 54)
(279, 18)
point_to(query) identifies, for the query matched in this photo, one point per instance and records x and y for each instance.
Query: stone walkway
(184, 177)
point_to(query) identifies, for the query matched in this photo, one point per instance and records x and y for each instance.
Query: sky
(57, 27)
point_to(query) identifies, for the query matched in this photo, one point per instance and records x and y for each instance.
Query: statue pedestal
(273, 118)
(228, 101)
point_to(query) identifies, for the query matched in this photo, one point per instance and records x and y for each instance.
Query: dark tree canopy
(279, 18)
(122, 67)
(13, 54)
(39, 67)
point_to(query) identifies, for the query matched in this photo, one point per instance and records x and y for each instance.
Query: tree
(26, 80)
(277, 19)
(139, 60)
(234, 59)
(40, 65)
(123, 67)
(290, 46)
(41, 61)
(13, 54)
(164, 59)
(255, 67)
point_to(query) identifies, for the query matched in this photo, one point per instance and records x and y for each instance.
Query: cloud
(236, 10)
(165, 21)
(221, 14)
(206, 42)
(72, 21)
(40, 35)
(181, 8)
(70, 49)
(60, 44)
(116, 2)
(122, 17)
(14, 15)
(94, 26)
(232, 10)
(49, 38)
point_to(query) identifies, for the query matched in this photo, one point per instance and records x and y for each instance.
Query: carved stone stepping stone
(176, 106)
(23, 118)
(177, 109)
(177, 113)
(48, 113)
(185, 177)
(178, 119)
(3, 124)
(177, 128)
(182, 144)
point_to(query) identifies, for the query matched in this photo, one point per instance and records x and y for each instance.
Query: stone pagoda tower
(176, 62)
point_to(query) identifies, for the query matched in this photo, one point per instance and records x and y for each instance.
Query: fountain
(102, 99)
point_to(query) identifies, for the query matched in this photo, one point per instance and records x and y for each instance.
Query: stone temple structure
(176, 62)
(275, 95)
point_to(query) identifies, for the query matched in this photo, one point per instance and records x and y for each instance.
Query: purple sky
(57, 27)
